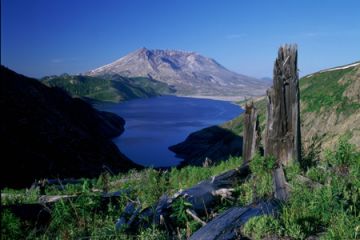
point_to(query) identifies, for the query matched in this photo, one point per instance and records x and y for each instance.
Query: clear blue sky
(45, 37)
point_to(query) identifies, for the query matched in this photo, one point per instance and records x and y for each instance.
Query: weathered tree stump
(251, 135)
(282, 138)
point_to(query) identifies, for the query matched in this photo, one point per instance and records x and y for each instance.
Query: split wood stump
(251, 135)
(282, 137)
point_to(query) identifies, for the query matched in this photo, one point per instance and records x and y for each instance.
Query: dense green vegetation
(113, 88)
(81, 217)
(323, 91)
(326, 205)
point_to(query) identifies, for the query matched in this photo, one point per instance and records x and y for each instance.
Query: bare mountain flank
(188, 72)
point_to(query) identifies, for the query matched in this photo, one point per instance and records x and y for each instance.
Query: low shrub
(10, 226)
(259, 227)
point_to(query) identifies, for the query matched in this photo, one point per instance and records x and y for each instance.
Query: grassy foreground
(78, 219)
(324, 202)
(325, 205)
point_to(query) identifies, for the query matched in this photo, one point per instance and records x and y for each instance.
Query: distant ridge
(112, 88)
(188, 72)
(335, 68)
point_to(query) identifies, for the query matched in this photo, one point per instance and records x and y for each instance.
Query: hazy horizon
(42, 38)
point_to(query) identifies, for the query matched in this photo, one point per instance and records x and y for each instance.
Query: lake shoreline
(154, 124)
(217, 98)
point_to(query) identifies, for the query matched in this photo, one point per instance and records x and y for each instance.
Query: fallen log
(202, 196)
(227, 224)
(128, 216)
(205, 194)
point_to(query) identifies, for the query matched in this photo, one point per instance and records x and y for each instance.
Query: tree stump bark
(251, 135)
(282, 138)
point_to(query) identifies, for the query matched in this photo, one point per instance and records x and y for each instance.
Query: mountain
(188, 72)
(329, 109)
(47, 134)
(112, 88)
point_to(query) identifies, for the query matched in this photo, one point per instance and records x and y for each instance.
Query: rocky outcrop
(212, 144)
(47, 134)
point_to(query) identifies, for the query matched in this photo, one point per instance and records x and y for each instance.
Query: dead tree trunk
(283, 138)
(251, 132)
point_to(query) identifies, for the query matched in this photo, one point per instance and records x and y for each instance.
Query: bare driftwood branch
(50, 199)
(195, 217)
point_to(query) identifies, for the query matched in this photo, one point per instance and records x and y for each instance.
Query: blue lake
(154, 124)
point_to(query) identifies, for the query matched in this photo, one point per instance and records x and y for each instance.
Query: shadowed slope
(46, 133)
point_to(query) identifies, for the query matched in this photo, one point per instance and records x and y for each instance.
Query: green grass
(81, 217)
(260, 227)
(259, 185)
(10, 226)
(331, 211)
(322, 91)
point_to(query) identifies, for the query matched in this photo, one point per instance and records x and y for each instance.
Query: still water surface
(154, 124)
